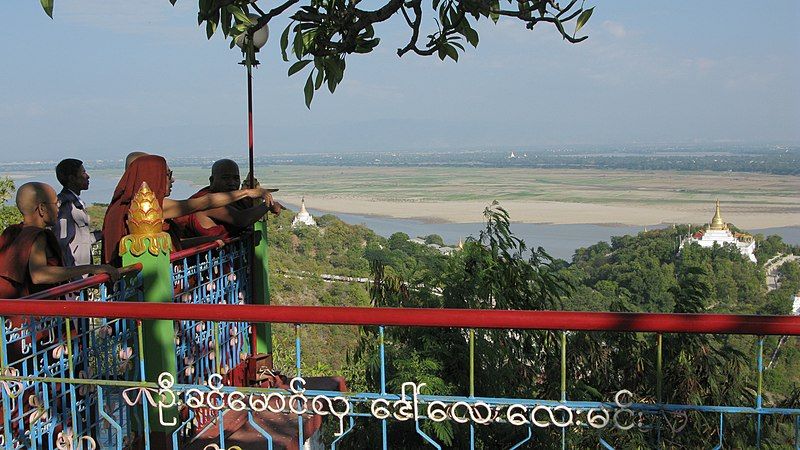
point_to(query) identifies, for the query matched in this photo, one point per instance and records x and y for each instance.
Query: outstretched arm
(41, 273)
(178, 208)
(240, 218)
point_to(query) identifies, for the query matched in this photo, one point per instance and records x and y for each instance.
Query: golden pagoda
(718, 233)
(716, 222)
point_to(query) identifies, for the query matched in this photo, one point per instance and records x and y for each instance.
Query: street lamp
(251, 43)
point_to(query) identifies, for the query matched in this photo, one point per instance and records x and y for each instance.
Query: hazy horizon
(106, 77)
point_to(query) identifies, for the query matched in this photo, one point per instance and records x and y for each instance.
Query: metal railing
(210, 274)
(413, 405)
(40, 407)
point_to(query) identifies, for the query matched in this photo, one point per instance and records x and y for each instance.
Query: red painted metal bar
(456, 318)
(174, 256)
(75, 286)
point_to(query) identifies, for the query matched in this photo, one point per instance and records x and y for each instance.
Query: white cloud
(616, 29)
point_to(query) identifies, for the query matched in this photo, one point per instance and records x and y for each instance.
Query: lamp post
(251, 43)
(261, 334)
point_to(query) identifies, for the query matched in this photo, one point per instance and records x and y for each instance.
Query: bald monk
(230, 219)
(132, 156)
(30, 257)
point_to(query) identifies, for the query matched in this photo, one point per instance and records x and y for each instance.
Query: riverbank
(743, 215)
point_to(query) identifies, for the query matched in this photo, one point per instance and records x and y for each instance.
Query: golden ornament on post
(145, 223)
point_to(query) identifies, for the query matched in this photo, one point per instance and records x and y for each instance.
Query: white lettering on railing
(408, 407)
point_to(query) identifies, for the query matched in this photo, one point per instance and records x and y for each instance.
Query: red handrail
(77, 285)
(180, 254)
(455, 318)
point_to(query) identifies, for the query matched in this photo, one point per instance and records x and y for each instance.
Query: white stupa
(303, 217)
(717, 232)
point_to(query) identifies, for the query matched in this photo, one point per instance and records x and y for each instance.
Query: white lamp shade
(260, 36)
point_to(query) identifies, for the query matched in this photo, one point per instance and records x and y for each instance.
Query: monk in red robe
(30, 258)
(228, 220)
(153, 169)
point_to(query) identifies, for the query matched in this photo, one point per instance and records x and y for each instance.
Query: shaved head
(224, 176)
(38, 204)
(132, 156)
(224, 166)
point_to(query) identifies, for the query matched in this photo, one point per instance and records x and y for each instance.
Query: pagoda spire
(716, 222)
(303, 205)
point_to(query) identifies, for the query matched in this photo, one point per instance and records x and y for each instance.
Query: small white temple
(717, 232)
(303, 217)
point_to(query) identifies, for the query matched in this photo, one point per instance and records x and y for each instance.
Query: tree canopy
(324, 32)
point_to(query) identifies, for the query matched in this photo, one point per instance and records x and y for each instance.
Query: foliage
(434, 239)
(324, 32)
(8, 214)
(646, 272)
(495, 270)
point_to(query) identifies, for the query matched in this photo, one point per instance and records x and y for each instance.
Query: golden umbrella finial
(716, 222)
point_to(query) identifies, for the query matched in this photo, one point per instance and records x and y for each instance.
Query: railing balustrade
(413, 403)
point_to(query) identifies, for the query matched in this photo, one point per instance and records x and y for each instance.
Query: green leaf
(48, 7)
(285, 42)
(320, 78)
(239, 14)
(308, 38)
(471, 35)
(298, 44)
(494, 14)
(226, 22)
(582, 19)
(309, 91)
(451, 52)
(205, 6)
(211, 27)
(441, 53)
(298, 66)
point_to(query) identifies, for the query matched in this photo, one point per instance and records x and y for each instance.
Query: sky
(107, 77)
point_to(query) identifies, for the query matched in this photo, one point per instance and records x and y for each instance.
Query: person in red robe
(30, 258)
(228, 220)
(153, 170)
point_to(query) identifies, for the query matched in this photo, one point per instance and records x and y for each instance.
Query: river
(559, 241)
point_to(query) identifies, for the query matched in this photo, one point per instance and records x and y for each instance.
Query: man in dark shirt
(73, 229)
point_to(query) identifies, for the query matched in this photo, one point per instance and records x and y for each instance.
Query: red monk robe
(192, 227)
(151, 169)
(15, 251)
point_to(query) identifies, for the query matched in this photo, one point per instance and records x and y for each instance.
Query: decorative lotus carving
(145, 222)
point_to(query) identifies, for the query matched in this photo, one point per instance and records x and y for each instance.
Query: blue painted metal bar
(259, 429)
(338, 438)
(760, 358)
(524, 440)
(797, 432)
(721, 431)
(472, 383)
(298, 374)
(382, 350)
(605, 444)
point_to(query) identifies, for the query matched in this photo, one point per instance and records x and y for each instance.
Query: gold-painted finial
(716, 222)
(145, 222)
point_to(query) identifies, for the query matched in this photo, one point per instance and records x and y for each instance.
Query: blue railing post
(760, 387)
